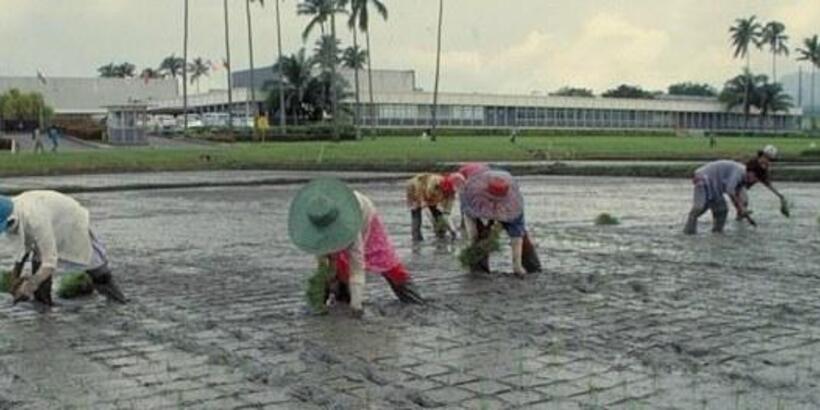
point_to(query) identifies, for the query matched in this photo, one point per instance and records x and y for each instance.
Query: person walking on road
(54, 136)
(344, 230)
(53, 229)
(38, 141)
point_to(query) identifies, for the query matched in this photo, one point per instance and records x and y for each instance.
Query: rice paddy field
(628, 316)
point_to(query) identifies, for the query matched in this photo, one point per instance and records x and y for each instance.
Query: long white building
(399, 103)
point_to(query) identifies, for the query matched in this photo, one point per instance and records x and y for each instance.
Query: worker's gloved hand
(784, 207)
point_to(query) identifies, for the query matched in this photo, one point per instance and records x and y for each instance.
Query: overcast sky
(505, 46)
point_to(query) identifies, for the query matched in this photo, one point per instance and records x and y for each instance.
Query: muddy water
(632, 316)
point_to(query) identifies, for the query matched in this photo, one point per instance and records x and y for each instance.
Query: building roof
(69, 95)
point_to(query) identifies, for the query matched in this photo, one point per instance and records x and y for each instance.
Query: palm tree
(172, 65)
(185, 74)
(297, 75)
(198, 68)
(773, 35)
(125, 70)
(742, 90)
(108, 71)
(811, 53)
(355, 59)
(772, 99)
(322, 11)
(438, 66)
(745, 32)
(151, 74)
(250, 51)
(360, 14)
(228, 66)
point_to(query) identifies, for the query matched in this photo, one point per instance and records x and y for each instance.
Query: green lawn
(393, 153)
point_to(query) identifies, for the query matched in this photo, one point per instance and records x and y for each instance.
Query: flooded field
(634, 316)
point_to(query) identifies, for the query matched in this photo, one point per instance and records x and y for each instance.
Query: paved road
(25, 143)
(635, 316)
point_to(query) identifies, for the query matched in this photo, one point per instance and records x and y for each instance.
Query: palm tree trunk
(774, 67)
(333, 96)
(228, 68)
(282, 114)
(250, 51)
(438, 67)
(185, 74)
(356, 115)
(370, 81)
(813, 72)
(746, 108)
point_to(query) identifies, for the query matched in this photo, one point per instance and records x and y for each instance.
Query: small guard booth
(125, 124)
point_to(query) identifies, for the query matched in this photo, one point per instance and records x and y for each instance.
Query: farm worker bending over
(491, 197)
(436, 193)
(344, 230)
(716, 179)
(54, 230)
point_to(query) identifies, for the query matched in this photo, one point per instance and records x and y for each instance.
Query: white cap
(770, 151)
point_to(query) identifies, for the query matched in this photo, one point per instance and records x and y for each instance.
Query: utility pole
(282, 115)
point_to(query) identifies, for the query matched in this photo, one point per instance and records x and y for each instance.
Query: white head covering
(770, 151)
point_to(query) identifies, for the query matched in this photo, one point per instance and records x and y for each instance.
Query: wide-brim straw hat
(492, 195)
(324, 217)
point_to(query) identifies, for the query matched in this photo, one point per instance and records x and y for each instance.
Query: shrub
(814, 153)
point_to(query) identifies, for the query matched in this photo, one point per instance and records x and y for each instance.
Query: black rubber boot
(484, 232)
(439, 224)
(104, 284)
(415, 214)
(43, 292)
(529, 257)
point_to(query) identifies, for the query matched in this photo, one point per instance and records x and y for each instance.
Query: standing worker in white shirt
(53, 229)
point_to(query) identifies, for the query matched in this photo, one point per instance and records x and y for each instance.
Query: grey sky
(508, 46)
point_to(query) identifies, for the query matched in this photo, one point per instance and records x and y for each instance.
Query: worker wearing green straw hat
(344, 230)
(54, 230)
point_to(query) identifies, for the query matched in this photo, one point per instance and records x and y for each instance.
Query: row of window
(494, 116)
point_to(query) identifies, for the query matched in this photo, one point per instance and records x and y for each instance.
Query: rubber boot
(691, 226)
(43, 292)
(415, 214)
(484, 232)
(104, 284)
(529, 257)
(439, 224)
(719, 213)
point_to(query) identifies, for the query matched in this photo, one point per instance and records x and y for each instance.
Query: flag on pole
(225, 64)
(41, 77)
